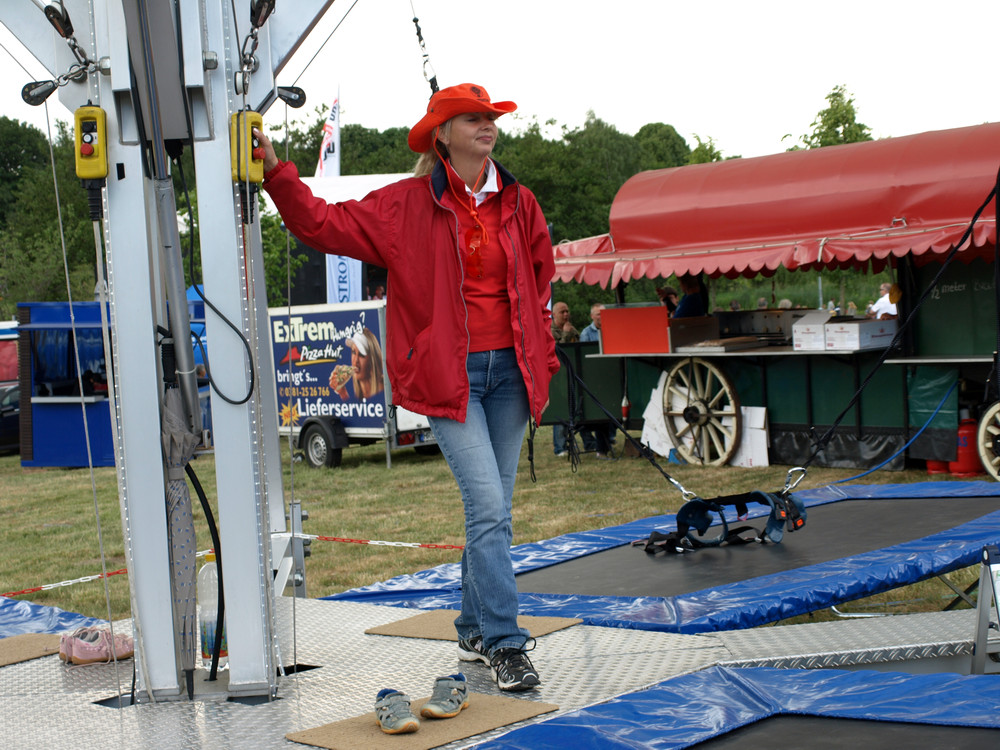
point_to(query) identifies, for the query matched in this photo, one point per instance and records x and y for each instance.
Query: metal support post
(988, 620)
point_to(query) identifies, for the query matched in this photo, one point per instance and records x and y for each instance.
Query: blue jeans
(482, 453)
(558, 439)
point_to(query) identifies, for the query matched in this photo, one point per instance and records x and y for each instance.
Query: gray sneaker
(513, 670)
(450, 696)
(392, 712)
(472, 649)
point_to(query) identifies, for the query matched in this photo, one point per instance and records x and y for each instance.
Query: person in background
(668, 296)
(593, 331)
(564, 333)
(785, 304)
(562, 329)
(694, 303)
(852, 309)
(600, 440)
(761, 303)
(469, 259)
(883, 309)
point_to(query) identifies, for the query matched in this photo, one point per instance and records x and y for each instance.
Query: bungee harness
(788, 513)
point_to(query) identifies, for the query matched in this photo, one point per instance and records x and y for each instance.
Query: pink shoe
(124, 646)
(66, 647)
(66, 641)
(88, 646)
(96, 646)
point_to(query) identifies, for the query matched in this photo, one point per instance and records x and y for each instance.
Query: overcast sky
(743, 74)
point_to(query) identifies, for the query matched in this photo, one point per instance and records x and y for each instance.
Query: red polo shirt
(487, 300)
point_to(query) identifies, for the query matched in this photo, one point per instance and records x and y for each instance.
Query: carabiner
(789, 484)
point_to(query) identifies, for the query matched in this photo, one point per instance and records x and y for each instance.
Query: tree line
(575, 175)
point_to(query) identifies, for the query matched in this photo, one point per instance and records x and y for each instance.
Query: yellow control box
(91, 143)
(245, 151)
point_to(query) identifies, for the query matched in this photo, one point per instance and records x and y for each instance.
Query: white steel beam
(239, 462)
(248, 464)
(138, 306)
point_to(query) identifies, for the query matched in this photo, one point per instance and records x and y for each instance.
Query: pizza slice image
(340, 375)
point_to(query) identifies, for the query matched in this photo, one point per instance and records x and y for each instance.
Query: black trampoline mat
(822, 733)
(832, 531)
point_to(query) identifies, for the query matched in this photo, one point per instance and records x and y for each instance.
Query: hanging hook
(260, 10)
(36, 92)
(431, 76)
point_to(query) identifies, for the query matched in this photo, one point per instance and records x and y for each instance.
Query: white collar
(490, 185)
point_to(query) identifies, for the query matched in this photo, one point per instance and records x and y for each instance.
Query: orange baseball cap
(449, 102)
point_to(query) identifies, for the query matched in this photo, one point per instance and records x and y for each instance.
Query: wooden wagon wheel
(988, 440)
(702, 413)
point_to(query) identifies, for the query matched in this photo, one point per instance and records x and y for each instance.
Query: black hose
(213, 308)
(217, 546)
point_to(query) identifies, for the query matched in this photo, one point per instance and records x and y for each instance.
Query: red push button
(86, 149)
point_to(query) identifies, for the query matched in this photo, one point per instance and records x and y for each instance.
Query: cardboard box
(684, 332)
(809, 332)
(752, 450)
(754, 439)
(859, 333)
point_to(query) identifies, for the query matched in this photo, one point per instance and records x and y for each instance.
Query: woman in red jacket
(468, 336)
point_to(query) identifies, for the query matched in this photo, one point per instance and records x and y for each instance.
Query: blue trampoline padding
(696, 707)
(733, 606)
(20, 617)
(886, 491)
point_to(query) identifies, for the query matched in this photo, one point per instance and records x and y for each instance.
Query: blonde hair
(429, 159)
(375, 382)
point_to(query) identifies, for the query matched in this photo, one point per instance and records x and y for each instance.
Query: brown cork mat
(18, 648)
(485, 712)
(439, 625)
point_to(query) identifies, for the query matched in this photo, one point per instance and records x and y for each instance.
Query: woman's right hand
(270, 158)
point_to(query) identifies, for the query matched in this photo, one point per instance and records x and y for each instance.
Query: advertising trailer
(332, 386)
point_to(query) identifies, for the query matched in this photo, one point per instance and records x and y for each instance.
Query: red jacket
(407, 229)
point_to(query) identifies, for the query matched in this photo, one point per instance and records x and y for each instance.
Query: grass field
(49, 530)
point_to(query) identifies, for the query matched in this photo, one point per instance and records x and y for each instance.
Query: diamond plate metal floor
(917, 643)
(47, 704)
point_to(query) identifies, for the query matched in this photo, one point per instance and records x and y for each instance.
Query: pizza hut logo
(477, 92)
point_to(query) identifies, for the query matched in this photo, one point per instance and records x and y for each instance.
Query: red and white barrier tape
(49, 586)
(85, 579)
(380, 544)
(373, 542)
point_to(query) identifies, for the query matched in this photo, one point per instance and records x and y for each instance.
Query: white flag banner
(343, 275)
(343, 279)
(329, 150)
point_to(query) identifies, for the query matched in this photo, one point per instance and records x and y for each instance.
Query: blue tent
(196, 313)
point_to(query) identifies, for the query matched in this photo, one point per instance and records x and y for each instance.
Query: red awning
(832, 207)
